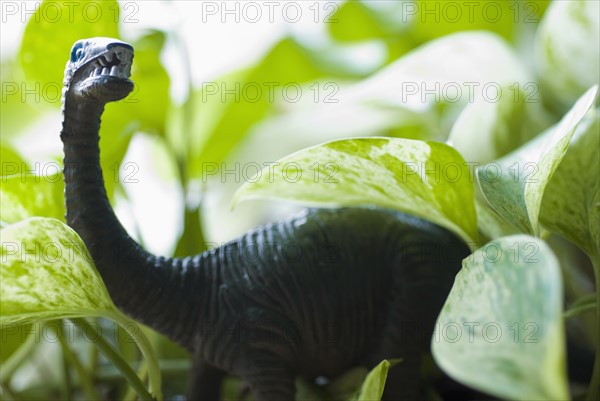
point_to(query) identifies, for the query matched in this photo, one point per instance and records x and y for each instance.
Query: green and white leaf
(501, 328)
(453, 70)
(427, 179)
(571, 201)
(514, 185)
(567, 49)
(47, 273)
(486, 130)
(490, 224)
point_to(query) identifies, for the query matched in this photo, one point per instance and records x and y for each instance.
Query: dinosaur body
(315, 295)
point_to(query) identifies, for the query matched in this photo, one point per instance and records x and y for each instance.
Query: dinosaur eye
(77, 52)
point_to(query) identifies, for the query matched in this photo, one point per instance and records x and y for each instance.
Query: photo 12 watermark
(253, 12)
(468, 92)
(53, 172)
(53, 12)
(454, 12)
(270, 92)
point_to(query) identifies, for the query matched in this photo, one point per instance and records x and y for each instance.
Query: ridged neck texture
(148, 288)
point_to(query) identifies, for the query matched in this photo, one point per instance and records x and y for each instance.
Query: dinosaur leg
(400, 340)
(270, 378)
(205, 382)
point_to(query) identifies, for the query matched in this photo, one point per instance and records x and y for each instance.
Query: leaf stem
(137, 334)
(119, 362)
(13, 362)
(142, 372)
(594, 388)
(86, 380)
(191, 219)
(8, 393)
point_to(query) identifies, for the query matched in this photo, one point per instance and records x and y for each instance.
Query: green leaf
(427, 179)
(208, 109)
(567, 50)
(584, 304)
(372, 387)
(192, 240)
(501, 329)
(436, 19)
(25, 195)
(320, 123)
(353, 21)
(414, 97)
(453, 70)
(250, 98)
(145, 109)
(487, 130)
(18, 104)
(12, 338)
(47, 273)
(62, 23)
(539, 7)
(348, 384)
(515, 184)
(12, 162)
(570, 203)
(490, 224)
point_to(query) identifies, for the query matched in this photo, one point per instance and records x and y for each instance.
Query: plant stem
(66, 386)
(192, 226)
(86, 380)
(135, 331)
(13, 362)
(8, 393)
(594, 389)
(116, 359)
(142, 372)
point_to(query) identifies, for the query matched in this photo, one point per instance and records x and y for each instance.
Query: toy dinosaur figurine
(315, 295)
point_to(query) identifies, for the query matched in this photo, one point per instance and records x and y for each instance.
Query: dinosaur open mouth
(106, 76)
(114, 63)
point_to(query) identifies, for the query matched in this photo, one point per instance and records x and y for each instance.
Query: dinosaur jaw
(106, 77)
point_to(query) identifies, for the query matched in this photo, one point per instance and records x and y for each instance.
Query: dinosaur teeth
(97, 72)
(105, 71)
(114, 70)
(102, 61)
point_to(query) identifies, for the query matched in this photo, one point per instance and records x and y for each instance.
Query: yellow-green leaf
(47, 273)
(62, 23)
(24, 195)
(427, 179)
(372, 387)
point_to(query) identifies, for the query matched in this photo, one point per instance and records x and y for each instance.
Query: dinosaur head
(99, 70)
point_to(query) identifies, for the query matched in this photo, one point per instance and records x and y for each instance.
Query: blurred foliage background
(177, 149)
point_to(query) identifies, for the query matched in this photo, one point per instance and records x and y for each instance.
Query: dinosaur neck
(142, 285)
